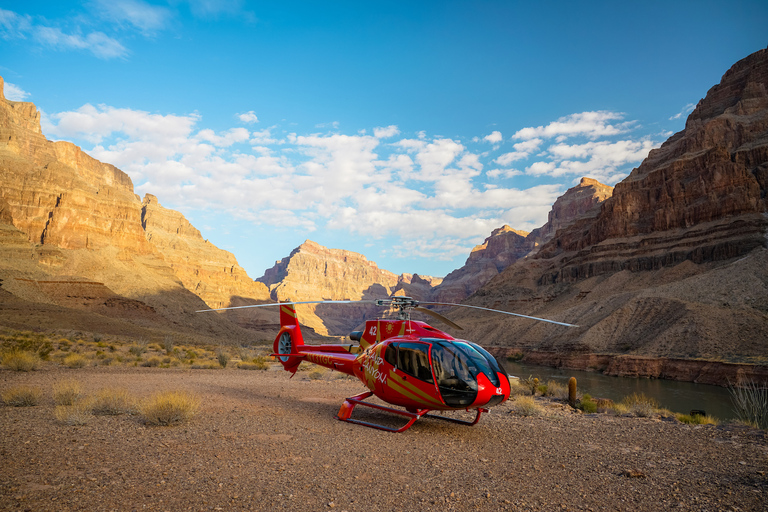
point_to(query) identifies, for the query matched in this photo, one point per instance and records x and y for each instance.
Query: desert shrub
(532, 383)
(587, 404)
(151, 362)
(205, 366)
(75, 361)
(696, 419)
(517, 356)
(21, 396)
(97, 338)
(168, 345)
(640, 405)
(223, 358)
(169, 408)
(67, 392)
(112, 402)
(75, 414)
(156, 347)
(526, 406)
(138, 348)
(316, 374)
(557, 390)
(517, 388)
(750, 403)
(20, 360)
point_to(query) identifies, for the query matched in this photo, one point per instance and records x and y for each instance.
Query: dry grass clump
(640, 405)
(75, 361)
(525, 406)
(256, 363)
(67, 392)
(21, 396)
(696, 419)
(112, 401)
(750, 401)
(555, 390)
(516, 388)
(78, 413)
(21, 360)
(169, 408)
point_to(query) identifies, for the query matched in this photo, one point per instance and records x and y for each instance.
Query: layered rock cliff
(674, 264)
(505, 246)
(75, 235)
(314, 272)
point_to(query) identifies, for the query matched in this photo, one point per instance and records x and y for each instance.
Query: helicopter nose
(489, 394)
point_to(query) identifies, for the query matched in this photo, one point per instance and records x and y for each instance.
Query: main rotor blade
(439, 317)
(499, 311)
(284, 303)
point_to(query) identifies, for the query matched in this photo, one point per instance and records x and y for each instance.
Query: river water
(673, 395)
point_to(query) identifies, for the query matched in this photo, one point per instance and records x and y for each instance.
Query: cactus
(572, 391)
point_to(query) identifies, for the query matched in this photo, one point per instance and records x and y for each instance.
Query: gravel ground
(262, 441)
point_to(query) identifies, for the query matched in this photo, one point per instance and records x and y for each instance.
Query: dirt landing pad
(262, 441)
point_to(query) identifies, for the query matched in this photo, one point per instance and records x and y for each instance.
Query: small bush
(151, 362)
(112, 402)
(640, 405)
(587, 404)
(168, 345)
(21, 396)
(750, 402)
(532, 383)
(139, 348)
(20, 360)
(696, 419)
(75, 414)
(75, 361)
(556, 390)
(516, 388)
(67, 392)
(223, 358)
(170, 408)
(526, 406)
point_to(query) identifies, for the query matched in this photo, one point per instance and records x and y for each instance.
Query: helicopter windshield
(457, 365)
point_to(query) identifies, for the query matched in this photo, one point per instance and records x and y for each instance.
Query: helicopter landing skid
(345, 413)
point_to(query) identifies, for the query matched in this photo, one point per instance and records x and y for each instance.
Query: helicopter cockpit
(456, 366)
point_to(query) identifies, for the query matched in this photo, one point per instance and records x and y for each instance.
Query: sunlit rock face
(68, 218)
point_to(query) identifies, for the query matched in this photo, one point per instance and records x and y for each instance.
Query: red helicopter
(403, 362)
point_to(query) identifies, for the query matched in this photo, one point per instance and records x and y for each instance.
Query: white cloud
(686, 110)
(145, 17)
(248, 117)
(493, 138)
(14, 26)
(385, 133)
(587, 124)
(14, 92)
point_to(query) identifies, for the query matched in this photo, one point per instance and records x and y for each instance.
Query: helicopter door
(455, 380)
(412, 359)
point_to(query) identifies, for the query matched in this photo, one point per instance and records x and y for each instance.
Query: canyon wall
(673, 265)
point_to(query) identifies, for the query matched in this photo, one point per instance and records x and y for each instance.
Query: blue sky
(405, 131)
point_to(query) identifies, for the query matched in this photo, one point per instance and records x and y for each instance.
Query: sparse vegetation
(696, 419)
(75, 414)
(21, 396)
(75, 361)
(640, 405)
(587, 404)
(112, 402)
(20, 360)
(223, 358)
(750, 402)
(138, 348)
(169, 408)
(67, 392)
(526, 406)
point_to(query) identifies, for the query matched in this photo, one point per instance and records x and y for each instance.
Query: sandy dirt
(262, 441)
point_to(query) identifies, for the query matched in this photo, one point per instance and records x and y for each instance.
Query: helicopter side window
(413, 359)
(390, 355)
